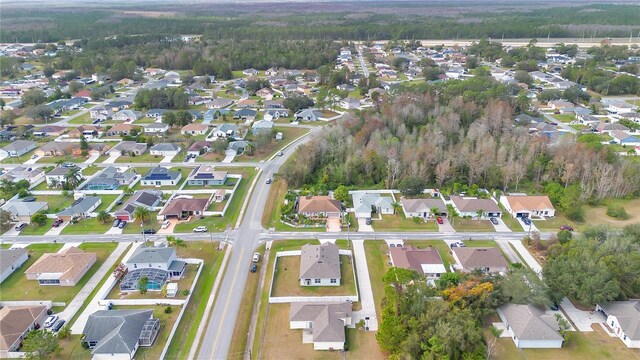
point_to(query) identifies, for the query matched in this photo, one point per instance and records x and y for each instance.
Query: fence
(46, 303)
(134, 302)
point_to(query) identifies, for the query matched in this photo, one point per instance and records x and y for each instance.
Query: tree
(411, 186)
(295, 103)
(38, 112)
(143, 282)
(341, 193)
(176, 242)
(141, 214)
(129, 191)
(75, 86)
(72, 177)
(169, 118)
(40, 345)
(103, 217)
(33, 97)
(5, 220)
(39, 218)
(64, 332)
(564, 236)
(84, 145)
(563, 326)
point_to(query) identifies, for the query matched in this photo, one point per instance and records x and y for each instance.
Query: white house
(320, 265)
(624, 318)
(322, 323)
(620, 107)
(423, 208)
(467, 206)
(528, 206)
(161, 176)
(364, 203)
(10, 260)
(156, 128)
(165, 149)
(530, 328)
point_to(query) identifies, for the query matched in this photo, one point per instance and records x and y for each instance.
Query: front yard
(86, 226)
(144, 158)
(553, 224)
(287, 283)
(471, 225)
(399, 222)
(35, 229)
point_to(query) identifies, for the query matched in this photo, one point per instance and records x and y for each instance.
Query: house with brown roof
(319, 206)
(485, 259)
(425, 261)
(57, 149)
(122, 129)
(94, 149)
(322, 323)
(320, 265)
(88, 131)
(182, 208)
(64, 268)
(468, 206)
(15, 324)
(528, 206)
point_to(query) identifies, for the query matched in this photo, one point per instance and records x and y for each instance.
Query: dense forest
(410, 21)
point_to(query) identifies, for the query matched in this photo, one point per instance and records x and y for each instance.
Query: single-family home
(274, 114)
(56, 148)
(321, 323)
(110, 179)
(19, 148)
(156, 128)
(121, 129)
(149, 199)
(467, 206)
(128, 148)
(182, 208)
(200, 148)
(32, 175)
(100, 113)
(262, 127)
(117, 334)
(207, 175)
(161, 176)
(620, 107)
(15, 324)
(622, 138)
(225, 131)
(88, 131)
(319, 265)
(64, 268)
(307, 115)
(318, 206)
(274, 104)
(120, 104)
(608, 128)
(350, 103)
(265, 93)
(127, 115)
(165, 149)
(194, 129)
(245, 114)
(485, 259)
(528, 206)
(210, 115)
(559, 104)
(423, 208)
(425, 261)
(10, 260)
(21, 211)
(81, 208)
(155, 113)
(250, 72)
(623, 317)
(58, 176)
(530, 327)
(238, 146)
(219, 103)
(364, 203)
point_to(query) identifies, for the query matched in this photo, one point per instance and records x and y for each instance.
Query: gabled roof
(519, 203)
(81, 206)
(421, 260)
(364, 201)
(19, 145)
(21, 208)
(320, 261)
(423, 205)
(318, 204)
(328, 325)
(628, 315)
(530, 323)
(152, 255)
(15, 320)
(165, 147)
(471, 204)
(478, 257)
(117, 331)
(67, 264)
(9, 256)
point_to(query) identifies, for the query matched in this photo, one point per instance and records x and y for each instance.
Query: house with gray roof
(32, 175)
(161, 176)
(19, 148)
(110, 179)
(423, 208)
(321, 323)
(225, 131)
(158, 263)
(238, 146)
(485, 259)
(468, 206)
(81, 208)
(119, 333)
(10, 260)
(149, 199)
(364, 203)
(127, 115)
(273, 114)
(165, 149)
(307, 115)
(245, 114)
(262, 127)
(530, 327)
(207, 175)
(128, 148)
(219, 103)
(320, 265)
(624, 318)
(156, 128)
(21, 211)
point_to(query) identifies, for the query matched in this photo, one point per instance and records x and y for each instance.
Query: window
(334, 281)
(317, 281)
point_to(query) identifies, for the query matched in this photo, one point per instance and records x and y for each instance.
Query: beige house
(65, 268)
(319, 206)
(486, 259)
(322, 324)
(528, 206)
(320, 265)
(194, 129)
(15, 324)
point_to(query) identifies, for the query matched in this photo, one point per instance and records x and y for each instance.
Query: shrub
(168, 310)
(575, 213)
(185, 292)
(617, 212)
(564, 236)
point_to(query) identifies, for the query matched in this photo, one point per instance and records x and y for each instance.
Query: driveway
(12, 231)
(333, 225)
(92, 159)
(111, 159)
(167, 159)
(57, 230)
(580, 318)
(445, 226)
(114, 231)
(229, 156)
(364, 288)
(31, 161)
(501, 227)
(528, 228)
(363, 227)
(169, 229)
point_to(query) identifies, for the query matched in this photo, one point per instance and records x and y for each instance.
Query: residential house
(364, 203)
(19, 148)
(262, 127)
(127, 115)
(265, 93)
(210, 115)
(307, 115)
(530, 327)
(120, 104)
(322, 323)
(319, 265)
(225, 131)
(32, 175)
(117, 334)
(88, 131)
(423, 208)
(608, 128)
(622, 138)
(161, 176)
(121, 129)
(247, 104)
(57, 149)
(128, 148)
(156, 128)
(10, 260)
(21, 211)
(197, 100)
(182, 208)
(81, 208)
(86, 93)
(64, 268)
(620, 107)
(525, 119)
(623, 317)
(15, 324)
(318, 206)
(559, 104)
(153, 71)
(485, 259)
(58, 175)
(149, 199)
(165, 149)
(49, 130)
(237, 146)
(425, 261)
(219, 103)
(274, 104)
(274, 114)
(350, 103)
(207, 175)
(245, 114)
(110, 179)
(528, 206)
(155, 113)
(194, 129)
(200, 147)
(250, 72)
(467, 206)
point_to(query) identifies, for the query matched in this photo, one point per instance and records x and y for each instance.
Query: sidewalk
(508, 251)
(93, 306)
(364, 287)
(528, 258)
(77, 301)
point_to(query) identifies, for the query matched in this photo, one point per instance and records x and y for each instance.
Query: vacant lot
(56, 203)
(87, 226)
(598, 215)
(265, 152)
(287, 283)
(471, 225)
(399, 222)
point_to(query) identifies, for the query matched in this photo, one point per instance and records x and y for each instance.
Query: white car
(200, 229)
(256, 257)
(165, 224)
(50, 321)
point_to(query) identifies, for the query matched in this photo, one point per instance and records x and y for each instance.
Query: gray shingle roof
(165, 147)
(81, 206)
(628, 315)
(326, 318)
(152, 255)
(116, 331)
(530, 323)
(9, 256)
(320, 262)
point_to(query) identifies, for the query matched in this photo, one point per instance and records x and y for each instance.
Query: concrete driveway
(229, 156)
(526, 227)
(501, 227)
(31, 161)
(365, 289)
(363, 227)
(167, 159)
(169, 229)
(12, 231)
(445, 226)
(114, 231)
(57, 230)
(111, 159)
(92, 159)
(582, 319)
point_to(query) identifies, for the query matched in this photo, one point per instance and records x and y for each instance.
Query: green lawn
(90, 170)
(144, 158)
(289, 135)
(399, 222)
(134, 227)
(440, 245)
(106, 201)
(185, 335)
(86, 226)
(34, 229)
(17, 287)
(377, 263)
(82, 119)
(554, 223)
(480, 243)
(57, 203)
(57, 159)
(564, 118)
(287, 283)
(18, 160)
(471, 225)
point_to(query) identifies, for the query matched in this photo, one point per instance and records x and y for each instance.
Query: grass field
(564, 118)
(287, 283)
(377, 261)
(17, 287)
(554, 223)
(106, 201)
(597, 215)
(399, 222)
(471, 225)
(144, 158)
(35, 229)
(56, 203)
(86, 226)
(186, 332)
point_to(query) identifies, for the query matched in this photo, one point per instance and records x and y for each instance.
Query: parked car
(116, 222)
(122, 224)
(34, 156)
(50, 321)
(439, 220)
(566, 227)
(20, 226)
(554, 307)
(57, 325)
(256, 257)
(68, 164)
(200, 229)
(165, 224)
(57, 222)
(29, 199)
(268, 181)
(254, 267)
(148, 231)
(494, 221)
(119, 202)
(368, 221)
(457, 244)
(280, 153)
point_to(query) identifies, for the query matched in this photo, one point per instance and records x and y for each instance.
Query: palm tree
(177, 242)
(396, 207)
(434, 211)
(54, 183)
(103, 216)
(141, 214)
(479, 214)
(128, 191)
(72, 177)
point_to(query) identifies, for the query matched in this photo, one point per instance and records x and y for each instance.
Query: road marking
(224, 312)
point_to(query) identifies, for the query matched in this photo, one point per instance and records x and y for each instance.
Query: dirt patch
(598, 215)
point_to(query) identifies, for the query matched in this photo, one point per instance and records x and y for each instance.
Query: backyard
(183, 284)
(287, 283)
(56, 203)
